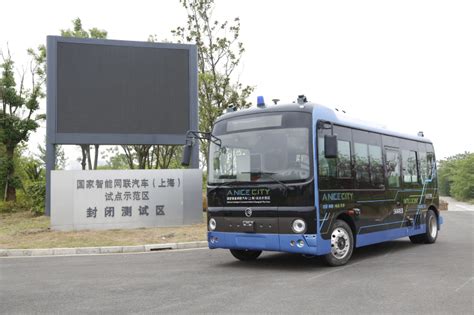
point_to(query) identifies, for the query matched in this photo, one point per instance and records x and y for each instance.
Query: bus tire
(245, 254)
(342, 244)
(431, 233)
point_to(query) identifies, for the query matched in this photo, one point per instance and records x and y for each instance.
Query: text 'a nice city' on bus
(304, 178)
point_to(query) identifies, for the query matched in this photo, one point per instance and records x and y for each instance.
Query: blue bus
(307, 179)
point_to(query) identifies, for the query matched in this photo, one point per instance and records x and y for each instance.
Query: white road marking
(464, 284)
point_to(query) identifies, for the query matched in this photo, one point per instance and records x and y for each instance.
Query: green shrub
(36, 195)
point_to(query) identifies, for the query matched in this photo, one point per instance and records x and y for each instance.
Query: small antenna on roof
(302, 99)
(421, 134)
(275, 100)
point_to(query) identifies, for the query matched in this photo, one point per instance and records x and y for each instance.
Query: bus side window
(343, 159)
(392, 168)
(431, 165)
(410, 174)
(327, 167)
(376, 166)
(335, 173)
(361, 165)
(423, 166)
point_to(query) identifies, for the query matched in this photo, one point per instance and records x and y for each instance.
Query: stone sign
(112, 199)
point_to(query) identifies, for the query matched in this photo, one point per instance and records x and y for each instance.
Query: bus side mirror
(330, 146)
(187, 150)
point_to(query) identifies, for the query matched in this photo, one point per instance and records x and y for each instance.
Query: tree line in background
(456, 176)
(219, 54)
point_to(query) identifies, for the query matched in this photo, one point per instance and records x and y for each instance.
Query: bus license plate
(248, 226)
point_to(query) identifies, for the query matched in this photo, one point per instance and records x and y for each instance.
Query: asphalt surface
(394, 277)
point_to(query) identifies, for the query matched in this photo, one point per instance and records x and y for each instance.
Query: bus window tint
(431, 164)
(376, 167)
(361, 165)
(343, 159)
(409, 166)
(392, 167)
(327, 167)
(423, 166)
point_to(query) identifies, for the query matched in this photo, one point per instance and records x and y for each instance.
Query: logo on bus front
(248, 212)
(248, 195)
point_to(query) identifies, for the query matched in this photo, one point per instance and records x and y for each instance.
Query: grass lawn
(23, 230)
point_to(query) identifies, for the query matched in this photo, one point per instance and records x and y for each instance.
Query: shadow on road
(296, 262)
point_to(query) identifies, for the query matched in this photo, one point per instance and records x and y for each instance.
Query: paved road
(454, 205)
(395, 277)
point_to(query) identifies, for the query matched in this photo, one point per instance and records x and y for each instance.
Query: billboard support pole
(50, 165)
(194, 102)
(195, 156)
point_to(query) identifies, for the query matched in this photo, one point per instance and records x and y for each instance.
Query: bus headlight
(212, 224)
(298, 226)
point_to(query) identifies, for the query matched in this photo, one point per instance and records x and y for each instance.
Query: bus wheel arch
(350, 221)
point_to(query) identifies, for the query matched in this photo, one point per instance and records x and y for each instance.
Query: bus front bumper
(291, 243)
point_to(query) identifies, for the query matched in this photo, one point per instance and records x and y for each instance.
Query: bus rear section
(382, 185)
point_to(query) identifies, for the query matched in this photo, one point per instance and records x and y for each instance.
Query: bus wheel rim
(340, 243)
(433, 226)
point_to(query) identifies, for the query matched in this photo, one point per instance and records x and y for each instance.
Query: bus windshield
(262, 148)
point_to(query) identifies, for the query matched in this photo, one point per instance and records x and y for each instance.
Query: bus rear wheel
(342, 244)
(245, 254)
(431, 233)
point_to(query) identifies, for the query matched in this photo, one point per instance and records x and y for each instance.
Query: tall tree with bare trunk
(220, 52)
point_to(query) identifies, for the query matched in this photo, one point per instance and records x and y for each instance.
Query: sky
(406, 65)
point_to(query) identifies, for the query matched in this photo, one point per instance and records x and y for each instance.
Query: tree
(463, 178)
(219, 55)
(152, 156)
(114, 160)
(60, 161)
(17, 115)
(456, 176)
(79, 32)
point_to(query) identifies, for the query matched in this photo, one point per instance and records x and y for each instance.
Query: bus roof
(322, 112)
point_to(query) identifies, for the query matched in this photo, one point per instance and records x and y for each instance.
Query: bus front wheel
(342, 244)
(245, 254)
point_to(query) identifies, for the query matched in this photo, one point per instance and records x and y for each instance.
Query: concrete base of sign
(113, 199)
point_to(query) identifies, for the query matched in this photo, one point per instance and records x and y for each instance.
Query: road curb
(99, 250)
